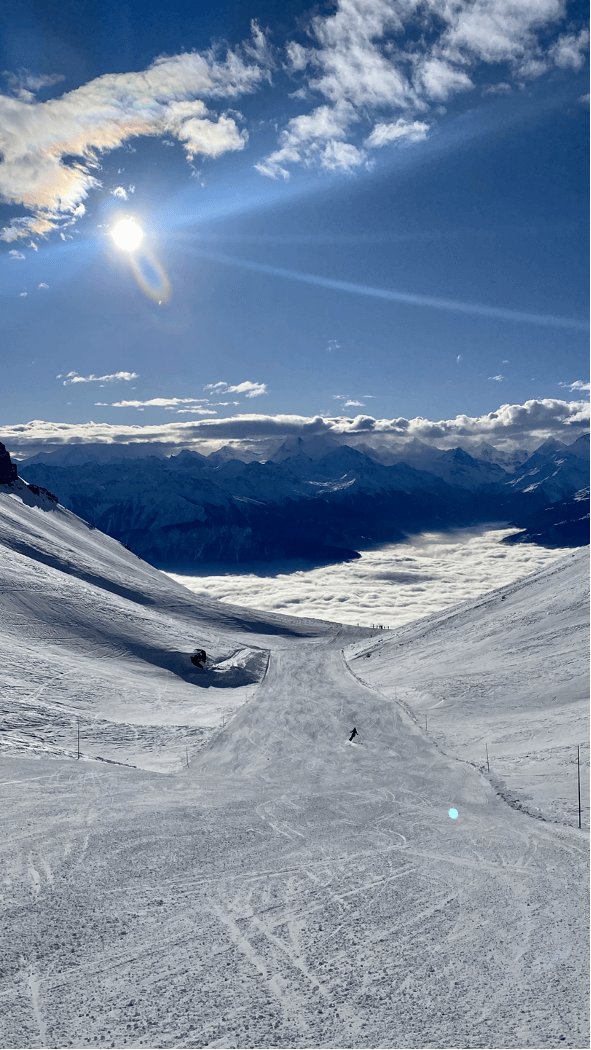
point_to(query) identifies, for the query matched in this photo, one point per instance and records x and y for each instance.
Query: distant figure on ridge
(354, 733)
(199, 658)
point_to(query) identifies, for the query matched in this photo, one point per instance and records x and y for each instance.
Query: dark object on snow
(199, 658)
(8, 471)
(354, 733)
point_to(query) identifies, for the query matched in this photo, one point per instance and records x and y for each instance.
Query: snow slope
(91, 634)
(288, 889)
(508, 671)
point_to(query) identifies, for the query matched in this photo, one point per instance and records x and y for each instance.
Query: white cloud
(579, 384)
(347, 402)
(497, 89)
(24, 227)
(16, 255)
(568, 51)
(363, 64)
(458, 359)
(165, 99)
(23, 295)
(23, 84)
(73, 377)
(120, 193)
(196, 411)
(438, 79)
(161, 402)
(495, 31)
(497, 379)
(247, 388)
(510, 426)
(43, 285)
(393, 585)
(312, 138)
(297, 57)
(341, 156)
(397, 131)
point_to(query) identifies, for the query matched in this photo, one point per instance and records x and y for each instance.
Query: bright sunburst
(127, 235)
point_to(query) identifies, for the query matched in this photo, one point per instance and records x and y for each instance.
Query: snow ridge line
(498, 786)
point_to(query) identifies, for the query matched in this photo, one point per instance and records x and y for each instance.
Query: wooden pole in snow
(487, 762)
(579, 781)
(187, 754)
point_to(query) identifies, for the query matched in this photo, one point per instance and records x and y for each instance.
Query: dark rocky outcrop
(8, 470)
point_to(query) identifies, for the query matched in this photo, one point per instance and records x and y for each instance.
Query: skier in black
(354, 733)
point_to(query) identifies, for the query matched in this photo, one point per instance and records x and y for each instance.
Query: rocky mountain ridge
(312, 499)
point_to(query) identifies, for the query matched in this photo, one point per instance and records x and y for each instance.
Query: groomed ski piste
(221, 867)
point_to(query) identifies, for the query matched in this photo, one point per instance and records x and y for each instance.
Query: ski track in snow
(288, 889)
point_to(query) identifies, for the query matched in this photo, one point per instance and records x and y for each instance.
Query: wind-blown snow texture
(288, 889)
(310, 499)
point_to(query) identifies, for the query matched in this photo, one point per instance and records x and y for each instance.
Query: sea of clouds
(390, 586)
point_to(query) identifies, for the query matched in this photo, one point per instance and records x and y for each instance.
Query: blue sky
(405, 237)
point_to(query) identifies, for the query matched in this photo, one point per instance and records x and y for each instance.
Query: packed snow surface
(288, 888)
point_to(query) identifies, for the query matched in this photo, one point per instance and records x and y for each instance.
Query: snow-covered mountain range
(248, 877)
(312, 498)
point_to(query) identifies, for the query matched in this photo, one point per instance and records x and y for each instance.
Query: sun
(127, 235)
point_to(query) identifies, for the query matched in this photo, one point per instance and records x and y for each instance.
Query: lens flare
(127, 235)
(151, 277)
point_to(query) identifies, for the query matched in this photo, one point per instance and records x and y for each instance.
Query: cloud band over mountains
(510, 426)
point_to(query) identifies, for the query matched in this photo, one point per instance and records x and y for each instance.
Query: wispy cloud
(14, 254)
(370, 74)
(247, 388)
(364, 68)
(25, 226)
(23, 84)
(43, 285)
(347, 402)
(579, 384)
(397, 131)
(164, 100)
(497, 379)
(197, 411)
(115, 377)
(170, 404)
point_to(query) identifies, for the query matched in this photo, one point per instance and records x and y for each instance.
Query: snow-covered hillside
(290, 888)
(90, 634)
(508, 671)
